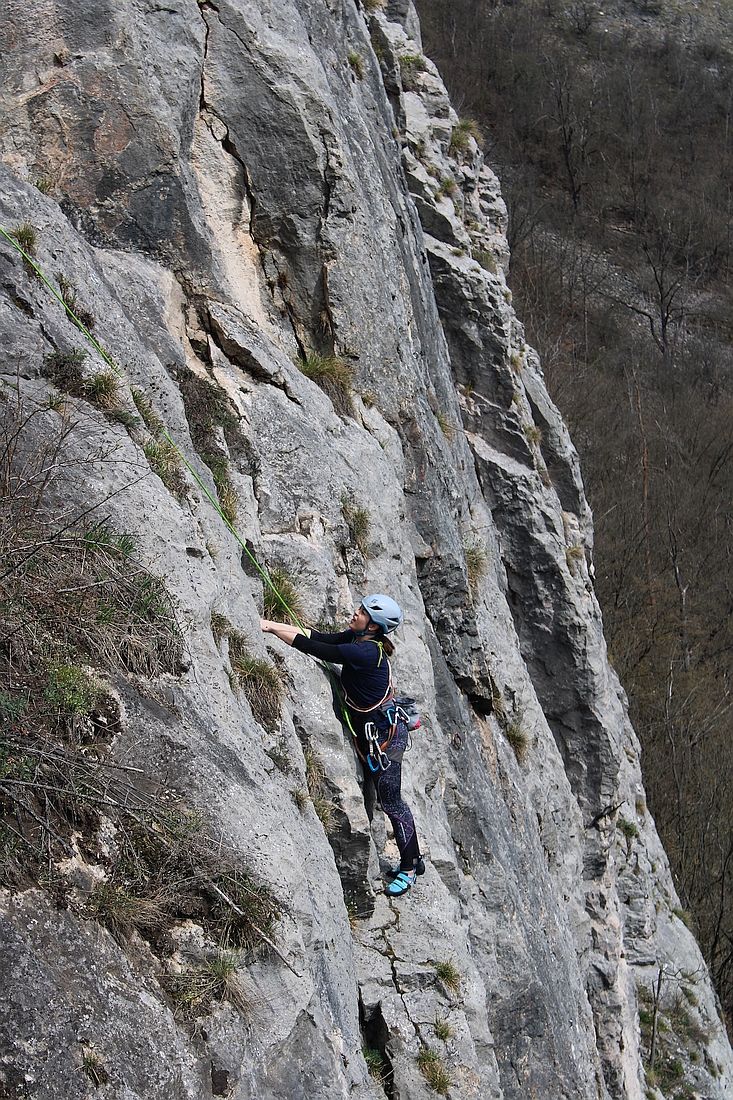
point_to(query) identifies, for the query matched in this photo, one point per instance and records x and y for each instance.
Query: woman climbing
(380, 734)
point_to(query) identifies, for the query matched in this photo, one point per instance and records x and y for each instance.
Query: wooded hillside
(610, 126)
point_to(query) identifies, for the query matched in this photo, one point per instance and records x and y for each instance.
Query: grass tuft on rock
(449, 974)
(477, 561)
(335, 378)
(434, 1070)
(287, 607)
(516, 735)
(358, 520)
(260, 681)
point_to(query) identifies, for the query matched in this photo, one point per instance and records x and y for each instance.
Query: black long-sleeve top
(365, 669)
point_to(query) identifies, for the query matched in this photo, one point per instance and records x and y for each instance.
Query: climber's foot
(402, 883)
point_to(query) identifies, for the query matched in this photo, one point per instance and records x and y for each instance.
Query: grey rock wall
(234, 184)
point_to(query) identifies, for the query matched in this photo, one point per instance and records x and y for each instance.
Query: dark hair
(386, 643)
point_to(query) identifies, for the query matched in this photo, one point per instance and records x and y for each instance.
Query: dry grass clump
(81, 317)
(283, 602)
(334, 376)
(466, 129)
(260, 681)
(486, 259)
(477, 560)
(220, 978)
(167, 869)
(315, 777)
(358, 520)
(410, 66)
(516, 735)
(94, 1068)
(357, 65)
(449, 975)
(442, 1029)
(434, 1070)
(144, 406)
(65, 370)
(25, 235)
(376, 1064)
(211, 413)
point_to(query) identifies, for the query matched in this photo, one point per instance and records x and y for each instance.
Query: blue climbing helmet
(383, 611)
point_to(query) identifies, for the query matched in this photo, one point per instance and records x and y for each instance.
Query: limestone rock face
(229, 187)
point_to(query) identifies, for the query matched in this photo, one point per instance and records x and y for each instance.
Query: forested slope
(610, 126)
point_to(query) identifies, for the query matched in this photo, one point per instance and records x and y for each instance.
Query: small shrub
(533, 433)
(442, 1029)
(104, 389)
(358, 521)
(458, 252)
(373, 5)
(92, 1065)
(151, 420)
(357, 65)
(466, 129)
(486, 259)
(72, 690)
(449, 975)
(334, 376)
(376, 1063)
(165, 461)
(25, 235)
(289, 607)
(517, 738)
(64, 368)
(410, 66)
(684, 916)
(434, 1070)
(448, 186)
(627, 828)
(477, 560)
(45, 184)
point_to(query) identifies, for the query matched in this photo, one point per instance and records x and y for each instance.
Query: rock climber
(380, 734)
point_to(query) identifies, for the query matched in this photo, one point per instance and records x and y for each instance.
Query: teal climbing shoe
(401, 884)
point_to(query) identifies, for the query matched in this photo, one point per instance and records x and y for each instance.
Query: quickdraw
(397, 710)
(377, 758)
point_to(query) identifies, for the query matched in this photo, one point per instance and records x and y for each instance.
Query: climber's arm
(282, 630)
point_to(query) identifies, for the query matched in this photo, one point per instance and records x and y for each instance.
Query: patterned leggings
(388, 786)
